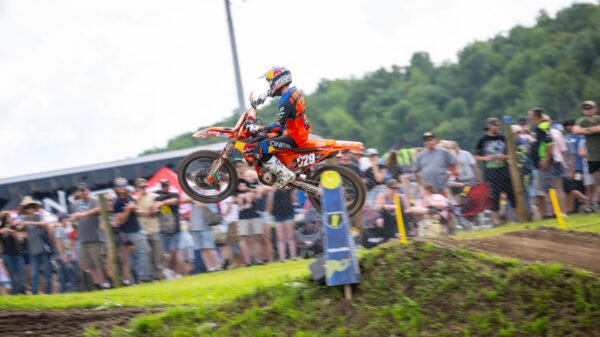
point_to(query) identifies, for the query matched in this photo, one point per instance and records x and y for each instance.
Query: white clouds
(90, 81)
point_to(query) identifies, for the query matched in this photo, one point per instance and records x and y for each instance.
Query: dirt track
(543, 244)
(62, 323)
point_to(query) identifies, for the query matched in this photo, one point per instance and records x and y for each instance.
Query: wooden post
(348, 291)
(515, 174)
(110, 244)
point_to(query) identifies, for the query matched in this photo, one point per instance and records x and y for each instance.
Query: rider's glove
(260, 100)
(253, 128)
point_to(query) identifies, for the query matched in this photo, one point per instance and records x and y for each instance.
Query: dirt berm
(543, 244)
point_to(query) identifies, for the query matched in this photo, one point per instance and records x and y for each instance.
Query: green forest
(554, 65)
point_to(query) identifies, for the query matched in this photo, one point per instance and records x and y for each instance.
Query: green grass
(193, 290)
(580, 223)
(407, 290)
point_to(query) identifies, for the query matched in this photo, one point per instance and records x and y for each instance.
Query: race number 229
(306, 160)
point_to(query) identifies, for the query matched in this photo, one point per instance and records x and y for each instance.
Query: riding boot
(283, 175)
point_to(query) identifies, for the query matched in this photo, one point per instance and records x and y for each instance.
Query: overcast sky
(84, 82)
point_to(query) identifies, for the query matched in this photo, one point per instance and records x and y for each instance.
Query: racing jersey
(291, 119)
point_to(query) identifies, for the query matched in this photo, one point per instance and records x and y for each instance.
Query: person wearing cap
(168, 206)
(130, 233)
(432, 164)
(376, 172)
(359, 159)
(573, 181)
(37, 243)
(589, 126)
(540, 155)
(65, 242)
(85, 212)
(559, 165)
(521, 153)
(491, 151)
(147, 209)
(344, 158)
(385, 218)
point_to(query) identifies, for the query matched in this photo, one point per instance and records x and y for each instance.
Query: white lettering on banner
(60, 206)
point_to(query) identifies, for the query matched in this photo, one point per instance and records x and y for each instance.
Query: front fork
(217, 164)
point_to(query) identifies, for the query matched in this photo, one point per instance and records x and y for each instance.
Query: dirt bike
(209, 176)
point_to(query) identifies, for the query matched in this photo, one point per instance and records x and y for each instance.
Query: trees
(554, 65)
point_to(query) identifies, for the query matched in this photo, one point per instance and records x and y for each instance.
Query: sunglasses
(588, 107)
(120, 185)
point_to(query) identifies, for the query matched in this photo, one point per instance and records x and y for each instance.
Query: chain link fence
(433, 189)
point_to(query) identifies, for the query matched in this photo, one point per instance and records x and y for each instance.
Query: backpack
(211, 215)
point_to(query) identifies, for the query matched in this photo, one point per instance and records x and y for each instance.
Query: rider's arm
(282, 117)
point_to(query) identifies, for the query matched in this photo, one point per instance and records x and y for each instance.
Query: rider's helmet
(278, 77)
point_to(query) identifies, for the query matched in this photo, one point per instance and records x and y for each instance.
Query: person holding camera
(147, 210)
(65, 241)
(129, 227)
(11, 240)
(170, 228)
(37, 242)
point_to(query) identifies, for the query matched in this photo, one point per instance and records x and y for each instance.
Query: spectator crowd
(445, 189)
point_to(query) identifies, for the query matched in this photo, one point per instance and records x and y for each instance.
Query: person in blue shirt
(573, 181)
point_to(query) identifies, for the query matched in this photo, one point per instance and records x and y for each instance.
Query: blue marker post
(341, 264)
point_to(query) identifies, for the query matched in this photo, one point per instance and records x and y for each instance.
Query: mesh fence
(432, 190)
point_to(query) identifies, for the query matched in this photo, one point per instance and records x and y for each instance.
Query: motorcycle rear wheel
(194, 169)
(354, 188)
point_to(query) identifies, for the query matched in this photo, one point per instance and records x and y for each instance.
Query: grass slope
(407, 290)
(194, 290)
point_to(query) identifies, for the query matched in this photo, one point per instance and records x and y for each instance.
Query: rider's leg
(272, 163)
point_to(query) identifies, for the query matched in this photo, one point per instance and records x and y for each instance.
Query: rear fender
(214, 132)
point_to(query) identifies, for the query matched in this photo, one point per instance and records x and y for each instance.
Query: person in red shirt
(292, 127)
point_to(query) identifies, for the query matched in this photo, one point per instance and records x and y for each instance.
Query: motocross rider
(291, 127)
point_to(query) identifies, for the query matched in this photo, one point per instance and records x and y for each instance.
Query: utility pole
(236, 62)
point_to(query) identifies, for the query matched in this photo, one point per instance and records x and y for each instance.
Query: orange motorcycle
(209, 176)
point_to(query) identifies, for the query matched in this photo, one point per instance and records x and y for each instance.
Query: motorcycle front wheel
(195, 168)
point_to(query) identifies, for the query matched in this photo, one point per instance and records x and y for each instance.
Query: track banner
(341, 264)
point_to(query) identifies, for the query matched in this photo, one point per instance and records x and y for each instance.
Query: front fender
(214, 131)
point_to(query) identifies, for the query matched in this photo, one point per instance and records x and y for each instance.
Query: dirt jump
(545, 244)
(579, 249)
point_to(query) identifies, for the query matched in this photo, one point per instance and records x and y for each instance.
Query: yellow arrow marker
(334, 221)
(400, 219)
(556, 206)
